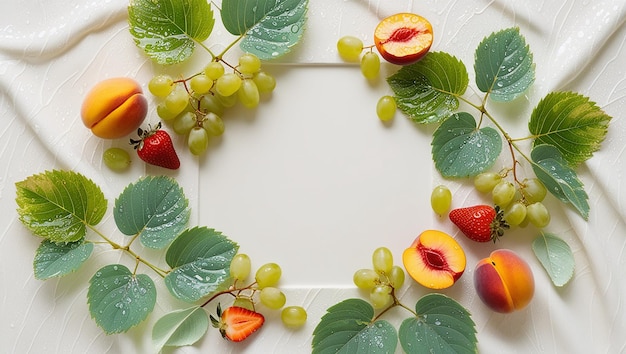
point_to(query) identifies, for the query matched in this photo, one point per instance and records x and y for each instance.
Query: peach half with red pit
(403, 38)
(434, 260)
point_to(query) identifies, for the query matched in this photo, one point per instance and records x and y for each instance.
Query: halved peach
(434, 259)
(403, 38)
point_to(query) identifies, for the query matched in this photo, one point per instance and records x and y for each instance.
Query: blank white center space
(314, 181)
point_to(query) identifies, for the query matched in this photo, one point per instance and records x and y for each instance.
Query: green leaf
(442, 326)
(556, 257)
(155, 208)
(56, 205)
(180, 328)
(200, 258)
(428, 90)
(571, 123)
(56, 260)
(271, 27)
(347, 328)
(118, 299)
(167, 30)
(559, 179)
(504, 65)
(461, 150)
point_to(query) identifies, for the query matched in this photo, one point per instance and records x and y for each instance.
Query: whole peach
(114, 108)
(504, 281)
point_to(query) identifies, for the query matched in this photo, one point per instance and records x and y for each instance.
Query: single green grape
(441, 199)
(386, 108)
(264, 82)
(272, 297)
(503, 193)
(117, 159)
(350, 48)
(538, 214)
(164, 113)
(210, 103)
(293, 316)
(176, 101)
(515, 213)
(370, 65)
(396, 277)
(161, 85)
(365, 278)
(268, 275)
(200, 84)
(198, 140)
(214, 70)
(382, 259)
(484, 182)
(240, 266)
(184, 123)
(533, 190)
(213, 124)
(226, 101)
(227, 84)
(249, 64)
(248, 94)
(245, 302)
(380, 296)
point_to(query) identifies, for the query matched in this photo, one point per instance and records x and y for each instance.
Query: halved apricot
(403, 38)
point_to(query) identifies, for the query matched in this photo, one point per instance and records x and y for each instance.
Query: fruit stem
(396, 302)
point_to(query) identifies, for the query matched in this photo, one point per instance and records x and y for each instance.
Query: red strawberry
(155, 147)
(237, 323)
(480, 223)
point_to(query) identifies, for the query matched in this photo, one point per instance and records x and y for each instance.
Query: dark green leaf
(180, 328)
(347, 328)
(461, 150)
(571, 123)
(167, 30)
(155, 208)
(271, 27)
(559, 179)
(58, 259)
(428, 90)
(556, 257)
(442, 326)
(57, 205)
(200, 258)
(504, 65)
(118, 299)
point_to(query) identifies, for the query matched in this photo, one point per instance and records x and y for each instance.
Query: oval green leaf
(271, 27)
(167, 30)
(58, 259)
(428, 90)
(461, 150)
(504, 65)
(180, 328)
(57, 205)
(347, 328)
(570, 122)
(442, 326)
(118, 299)
(559, 179)
(153, 207)
(200, 259)
(556, 257)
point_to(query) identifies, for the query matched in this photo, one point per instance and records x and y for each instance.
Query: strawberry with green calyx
(237, 323)
(155, 147)
(481, 223)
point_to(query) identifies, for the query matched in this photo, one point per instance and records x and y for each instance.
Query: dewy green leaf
(442, 326)
(200, 258)
(271, 27)
(504, 65)
(556, 257)
(167, 30)
(118, 299)
(559, 179)
(154, 207)
(570, 122)
(57, 205)
(56, 260)
(180, 328)
(347, 328)
(461, 150)
(428, 90)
